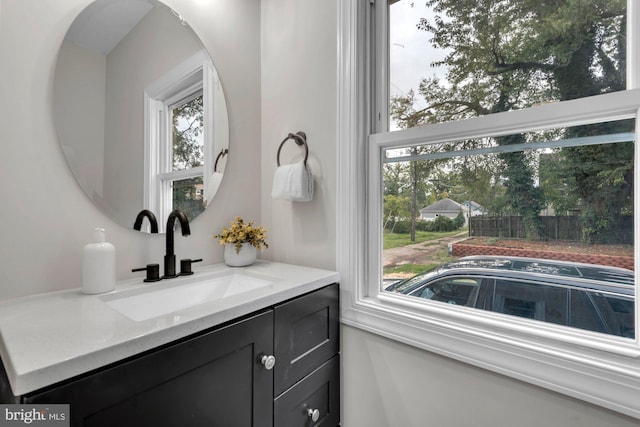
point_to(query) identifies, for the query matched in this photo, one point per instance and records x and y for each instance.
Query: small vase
(246, 255)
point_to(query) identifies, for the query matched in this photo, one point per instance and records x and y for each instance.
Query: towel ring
(220, 155)
(301, 139)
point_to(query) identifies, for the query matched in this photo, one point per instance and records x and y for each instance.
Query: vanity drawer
(306, 335)
(320, 392)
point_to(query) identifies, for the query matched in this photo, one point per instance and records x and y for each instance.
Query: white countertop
(47, 338)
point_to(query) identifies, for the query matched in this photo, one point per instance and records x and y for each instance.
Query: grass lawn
(395, 240)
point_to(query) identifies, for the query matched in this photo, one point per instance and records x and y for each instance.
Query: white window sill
(609, 376)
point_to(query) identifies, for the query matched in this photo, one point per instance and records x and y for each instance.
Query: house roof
(474, 205)
(443, 205)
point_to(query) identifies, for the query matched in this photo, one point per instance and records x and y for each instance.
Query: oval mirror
(140, 111)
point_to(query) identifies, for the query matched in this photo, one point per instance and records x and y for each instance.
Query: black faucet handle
(185, 266)
(153, 272)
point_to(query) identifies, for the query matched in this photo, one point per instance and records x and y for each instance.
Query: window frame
(195, 75)
(598, 369)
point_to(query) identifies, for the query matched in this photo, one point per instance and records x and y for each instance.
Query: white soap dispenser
(98, 265)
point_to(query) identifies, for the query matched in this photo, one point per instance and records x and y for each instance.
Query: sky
(411, 53)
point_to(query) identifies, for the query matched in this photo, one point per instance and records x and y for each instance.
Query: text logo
(34, 415)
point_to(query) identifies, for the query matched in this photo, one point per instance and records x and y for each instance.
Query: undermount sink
(179, 294)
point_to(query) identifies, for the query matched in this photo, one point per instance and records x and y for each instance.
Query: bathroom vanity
(267, 356)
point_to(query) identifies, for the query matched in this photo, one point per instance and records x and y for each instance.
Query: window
(522, 186)
(460, 291)
(483, 58)
(530, 300)
(514, 125)
(178, 140)
(186, 148)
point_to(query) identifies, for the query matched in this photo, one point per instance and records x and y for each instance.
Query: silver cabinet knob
(314, 414)
(268, 361)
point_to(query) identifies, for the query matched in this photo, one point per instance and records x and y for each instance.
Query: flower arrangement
(243, 232)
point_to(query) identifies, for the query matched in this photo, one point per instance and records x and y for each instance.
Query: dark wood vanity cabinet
(307, 373)
(223, 377)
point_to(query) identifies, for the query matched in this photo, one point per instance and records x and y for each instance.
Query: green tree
(411, 179)
(558, 184)
(396, 208)
(459, 221)
(188, 152)
(512, 54)
(188, 124)
(602, 177)
(476, 177)
(394, 177)
(443, 223)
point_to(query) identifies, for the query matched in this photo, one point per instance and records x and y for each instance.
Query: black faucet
(152, 220)
(170, 257)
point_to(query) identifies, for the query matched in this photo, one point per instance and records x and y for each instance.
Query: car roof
(601, 273)
(596, 277)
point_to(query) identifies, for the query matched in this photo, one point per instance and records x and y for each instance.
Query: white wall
(45, 219)
(299, 94)
(388, 384)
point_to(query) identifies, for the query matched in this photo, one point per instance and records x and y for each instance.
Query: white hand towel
(212, 186)
(293, 182)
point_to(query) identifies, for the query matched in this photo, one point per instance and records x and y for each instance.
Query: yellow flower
(240, 232)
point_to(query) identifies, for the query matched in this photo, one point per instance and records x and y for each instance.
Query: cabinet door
(215, 379)
(314, 401)
(306, 335)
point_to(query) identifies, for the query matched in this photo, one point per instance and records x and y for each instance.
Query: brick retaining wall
(460, 250)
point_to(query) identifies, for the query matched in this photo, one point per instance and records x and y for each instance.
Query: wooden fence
(511, 227)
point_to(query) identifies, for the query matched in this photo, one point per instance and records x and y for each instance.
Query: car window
(459, 291)
(408, 286)
(532, 300)
(587, 306)
(617, 312)
(583, 313)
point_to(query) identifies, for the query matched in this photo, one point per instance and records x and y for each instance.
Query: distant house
(476, 208)
(451, 209)
(443, 207)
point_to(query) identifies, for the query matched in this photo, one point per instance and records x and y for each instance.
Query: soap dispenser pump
(98, 265)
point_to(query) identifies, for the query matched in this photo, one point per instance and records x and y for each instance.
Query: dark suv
(593, 297)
